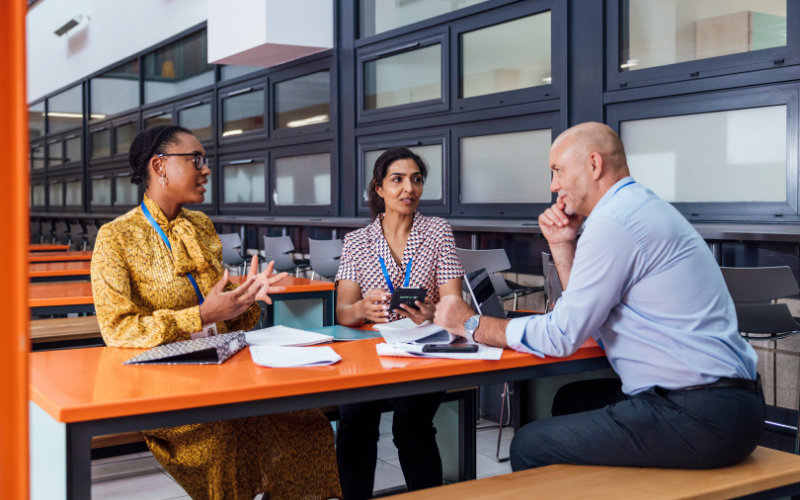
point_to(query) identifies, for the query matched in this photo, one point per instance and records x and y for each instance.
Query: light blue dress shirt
(645, 285)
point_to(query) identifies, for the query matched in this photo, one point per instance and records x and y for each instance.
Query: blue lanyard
(389, 280)
(624, 185)
(164, 237)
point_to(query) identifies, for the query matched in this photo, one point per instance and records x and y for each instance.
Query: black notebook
(205, 351)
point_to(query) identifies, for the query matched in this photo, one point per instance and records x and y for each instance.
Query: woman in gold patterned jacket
(145, 296)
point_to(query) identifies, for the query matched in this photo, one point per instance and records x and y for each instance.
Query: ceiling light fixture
(70, 24)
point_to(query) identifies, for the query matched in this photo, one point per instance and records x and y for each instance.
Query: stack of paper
(415, 351)
(291, 357)
(285, 336)
(405, 330)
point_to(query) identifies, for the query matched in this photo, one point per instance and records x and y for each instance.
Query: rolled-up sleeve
(601, 274)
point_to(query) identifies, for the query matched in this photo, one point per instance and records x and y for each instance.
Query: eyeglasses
(199, 161)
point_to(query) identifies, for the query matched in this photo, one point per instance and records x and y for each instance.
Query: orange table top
(49, 269)
(46, 247)
(296, 285)
(77, 385)
(60, 294)
(59, 256)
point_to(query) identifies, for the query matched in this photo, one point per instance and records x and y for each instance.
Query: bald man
(643, 283)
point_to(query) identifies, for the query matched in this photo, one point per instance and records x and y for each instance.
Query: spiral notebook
(204, 351)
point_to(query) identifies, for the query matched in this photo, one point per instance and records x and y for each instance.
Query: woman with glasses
(157, 278)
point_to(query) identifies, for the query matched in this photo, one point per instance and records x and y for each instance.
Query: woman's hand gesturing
(265, 280)
(220, 305)
(425, 312)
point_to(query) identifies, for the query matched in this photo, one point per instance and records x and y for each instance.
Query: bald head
(582, 140)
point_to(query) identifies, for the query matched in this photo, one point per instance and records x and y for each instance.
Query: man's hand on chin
(451, 314)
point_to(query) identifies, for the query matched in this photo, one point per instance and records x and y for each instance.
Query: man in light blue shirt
(643, 283)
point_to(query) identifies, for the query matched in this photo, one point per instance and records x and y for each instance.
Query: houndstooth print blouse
(430, 244)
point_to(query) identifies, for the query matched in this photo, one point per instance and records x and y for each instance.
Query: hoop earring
(163, 179)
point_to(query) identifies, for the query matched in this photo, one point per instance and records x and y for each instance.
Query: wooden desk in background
(60, 298)
(59, 256)
(60, 333)
(49, 272)
(47, 247)
(307, 298)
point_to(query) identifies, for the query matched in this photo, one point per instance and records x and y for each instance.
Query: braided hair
(147, 144)
(381, 169)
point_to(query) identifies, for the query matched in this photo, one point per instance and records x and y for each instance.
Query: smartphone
(453, 349)
(407, 296)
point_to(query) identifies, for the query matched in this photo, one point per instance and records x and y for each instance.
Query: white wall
(116, 29)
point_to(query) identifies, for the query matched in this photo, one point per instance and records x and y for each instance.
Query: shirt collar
(606, 198)
(158, 214)
(382, 246)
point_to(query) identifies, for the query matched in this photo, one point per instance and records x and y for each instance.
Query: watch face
(471, 323)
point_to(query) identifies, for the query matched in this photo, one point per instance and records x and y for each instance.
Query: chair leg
(297, 272)
(516, 296)
(313, 275)
(500, 430)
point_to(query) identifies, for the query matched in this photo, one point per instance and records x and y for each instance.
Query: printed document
(285, 336)
(415, 351)
(292, 357)
(405, 330)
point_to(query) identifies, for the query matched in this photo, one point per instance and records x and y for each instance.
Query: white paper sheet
(291, 357)
(285, 336)
(405, 330)
(415, 351)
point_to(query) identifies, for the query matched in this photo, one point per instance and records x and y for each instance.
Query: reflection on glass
(115, 91)
(36, 120)
(208, 196)
(101, 143)
(37, 197)
(244, 183)
(242, 113)
(177, 68)
(124, 136)
(37, 157)
(727, 156)
(660, 32)
(489, 161)
(198, 120)
(405, 78)
(508, 56)
(303, 180)
(377, 16)
(74, 194)
(101, 192)
(56, 194)
(65, 110)
(55, 156)
(303, 101)
(432, 155)
(230, 72)
(73, 149)
(160, 119)
(126, 192)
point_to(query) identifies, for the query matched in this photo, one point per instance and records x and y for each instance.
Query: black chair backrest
(759, 284)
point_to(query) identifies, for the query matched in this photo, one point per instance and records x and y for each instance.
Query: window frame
(210, 208)
(291, 74)
(38, 143)
(64, 139)
(331, 210)
(91, 130)
(76, 128)
(155, 111)
(192, 102)
(48, 142)
(256, 156)
(700, 68)
(124, 120)
(55, 180)
(90, 192)
(43, 102)
(74, 175)
(36, 180)
(139, 84)
(545, 120)
(116, 174)
(409, 139)
(758, 97)
(239, 89)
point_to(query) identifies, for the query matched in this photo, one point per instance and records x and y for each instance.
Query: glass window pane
(229, 72)
(208, 196)
(101, 143)
(177, 68)
(36, 121)
(489, 161)
(37, 158)
(56, 194)
(127, 193)
(115, 91)
(74, 194)
(725, 156)
(243, 113)
(65, 110)
(433, 158)
(124, 136)
(413, 76)
(198, 120)
(244, 183)
(659, 32)
(55, 156)
(162, 119)
(101, 192)
(38, 195)
(303, 180)
(377, 16)
(303, 101)
(509, 56)
(73, 147)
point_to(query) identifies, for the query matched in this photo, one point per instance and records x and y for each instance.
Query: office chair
(36, 232)
(77, 236)
(495, 261)
(91, 235)
(325, 257)
(232, 252)
(280, 249)
(753, 289)
(62, 235)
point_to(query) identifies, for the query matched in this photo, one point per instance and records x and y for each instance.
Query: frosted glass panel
(303, 180)
(713, 157)
(38, 195)
(509, 56)
(303, 101)
(377, 16)
(506, 168)
(660, 32)
(74, 194)
(101, 143)
(244, 183)
(73, 147)
(406, 78)
(208, 196)
(55, 156)
(433, 158)
(37, 158)
(198, 120)
(115, 90)
(36, 121)
(124, 137)
(243, 113)
(56, 192)
(127, 193)
(155, 121)
(65, 110)
(101, 192)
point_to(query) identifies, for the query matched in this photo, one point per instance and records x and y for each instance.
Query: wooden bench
(59, 333)
(764, 474)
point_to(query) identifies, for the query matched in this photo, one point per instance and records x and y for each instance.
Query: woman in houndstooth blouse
(399, 237)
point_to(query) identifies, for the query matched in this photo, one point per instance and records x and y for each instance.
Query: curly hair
(381, 169)
(147, 144)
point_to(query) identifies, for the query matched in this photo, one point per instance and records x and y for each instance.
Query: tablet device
(407, 296)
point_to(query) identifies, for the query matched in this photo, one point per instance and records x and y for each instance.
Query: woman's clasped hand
(375, 307)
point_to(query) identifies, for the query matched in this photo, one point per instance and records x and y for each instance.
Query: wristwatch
(470, 326)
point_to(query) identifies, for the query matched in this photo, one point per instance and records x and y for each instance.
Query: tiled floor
(140, 477)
